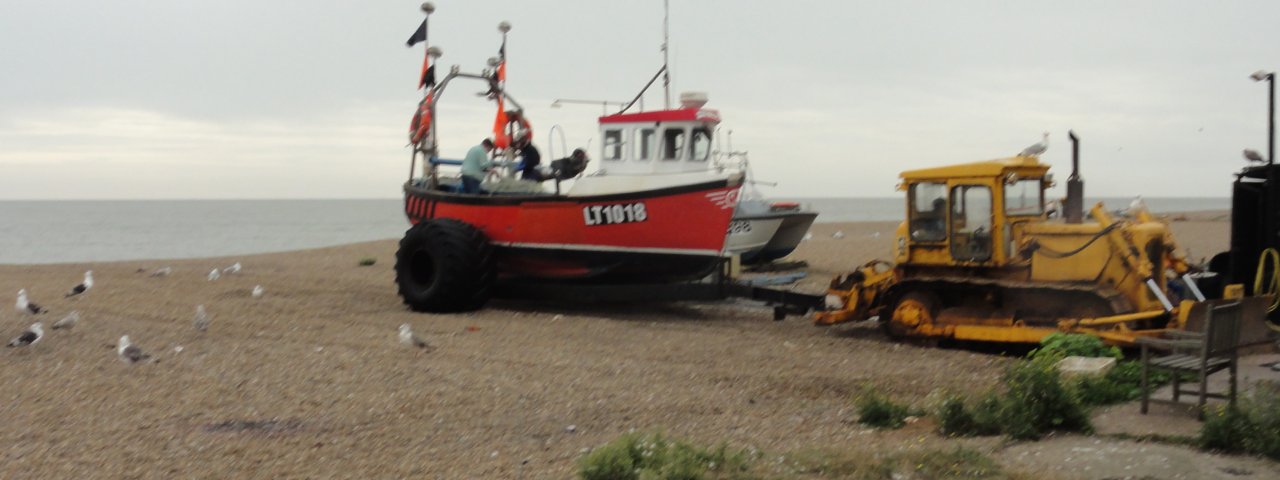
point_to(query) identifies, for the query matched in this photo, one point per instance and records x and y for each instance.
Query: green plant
(1036, 401)
(955, 418)
(368, 261)
(1227, 429)
(959, 462)
(880, 412)
(639, 456)
(1252, 426)
(613, 461)
(1061, 345)
(987, 416)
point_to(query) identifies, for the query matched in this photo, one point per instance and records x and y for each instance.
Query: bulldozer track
(1038, 304)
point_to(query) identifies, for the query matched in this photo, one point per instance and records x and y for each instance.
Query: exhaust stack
(1074, 205)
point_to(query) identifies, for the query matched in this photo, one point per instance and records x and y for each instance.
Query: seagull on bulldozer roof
(1036, 149)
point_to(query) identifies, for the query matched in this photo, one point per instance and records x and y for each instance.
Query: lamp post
(604, 104)
(1270, 77)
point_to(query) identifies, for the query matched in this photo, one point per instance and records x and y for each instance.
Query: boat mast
(666, 71)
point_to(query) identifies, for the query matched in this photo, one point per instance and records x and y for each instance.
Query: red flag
(500, 138)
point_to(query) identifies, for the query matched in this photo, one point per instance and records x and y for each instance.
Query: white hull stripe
(609, 248)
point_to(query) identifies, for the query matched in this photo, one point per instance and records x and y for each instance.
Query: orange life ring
(515, 126)
(421, 122)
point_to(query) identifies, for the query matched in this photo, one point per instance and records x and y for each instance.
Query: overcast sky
(291, 99)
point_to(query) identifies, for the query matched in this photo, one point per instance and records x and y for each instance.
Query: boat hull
(748, 235)
(667, 234)
(790, 233)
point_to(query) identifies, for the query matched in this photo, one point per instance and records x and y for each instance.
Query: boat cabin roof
(677, 115)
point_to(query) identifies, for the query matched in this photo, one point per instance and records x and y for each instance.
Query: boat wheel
(444, 265)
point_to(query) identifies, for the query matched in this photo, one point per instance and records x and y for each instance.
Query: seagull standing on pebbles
(29, 337)
(83, 286)
(26, 306)
(130, 353)
(258, 291)
(162, 272)
(408, 338)
(68, 322)
(838, 235)
(1036, 149)
(234, 268)
(214, 275)
(201, 320)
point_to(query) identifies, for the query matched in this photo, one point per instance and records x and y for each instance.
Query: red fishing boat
(570, 228)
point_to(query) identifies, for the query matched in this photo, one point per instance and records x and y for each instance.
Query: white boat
(763, 230)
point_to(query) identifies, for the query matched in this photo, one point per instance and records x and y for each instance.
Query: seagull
(201, 320)
(838, 235)
(68, 322)
(214, 275)
(1253, 156)
(162, 272)
(130, 353)
(1137, 205)
(1036, 149)
(408, 338)
(258, 291)
(234, 268)
(29, 337)
(26, 306)
(84, 286)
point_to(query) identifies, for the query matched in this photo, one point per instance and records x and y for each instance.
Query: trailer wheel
(912, 310)
(444, 265)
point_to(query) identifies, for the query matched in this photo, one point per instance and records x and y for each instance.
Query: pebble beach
(309, 380)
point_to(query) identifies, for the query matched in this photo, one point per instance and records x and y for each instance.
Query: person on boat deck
(570, 166)
(474, 165)
(530, 159)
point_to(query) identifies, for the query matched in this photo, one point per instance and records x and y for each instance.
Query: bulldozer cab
(969, 214)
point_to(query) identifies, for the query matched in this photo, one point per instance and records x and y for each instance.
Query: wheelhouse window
(1024, 197)
(672, 144)
(971, 223)
(613, 145)
(700, 148)
(645, 143)
(928, 211)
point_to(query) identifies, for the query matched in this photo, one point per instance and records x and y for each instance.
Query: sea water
(84, 231)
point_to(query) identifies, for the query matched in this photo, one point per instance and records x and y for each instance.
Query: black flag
(428, 78)
(418, 36)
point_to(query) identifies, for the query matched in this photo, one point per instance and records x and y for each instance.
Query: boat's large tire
(444, 265)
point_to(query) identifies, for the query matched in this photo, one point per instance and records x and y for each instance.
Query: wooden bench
(1197, 353)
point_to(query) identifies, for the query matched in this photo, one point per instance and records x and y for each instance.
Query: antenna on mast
(666, 71)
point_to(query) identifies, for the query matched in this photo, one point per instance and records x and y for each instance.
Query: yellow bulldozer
(979, 258)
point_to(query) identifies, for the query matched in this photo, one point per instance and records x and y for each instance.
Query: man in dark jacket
(530, 159)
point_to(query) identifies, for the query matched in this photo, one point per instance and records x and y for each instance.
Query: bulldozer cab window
(928, 212)
(1024, 197)
(971, 223)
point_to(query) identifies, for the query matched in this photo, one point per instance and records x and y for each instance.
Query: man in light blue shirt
(474, 165)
